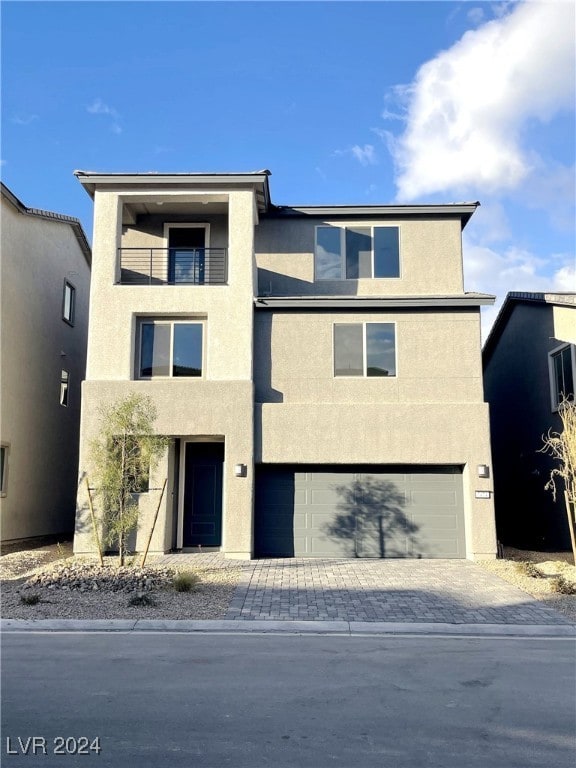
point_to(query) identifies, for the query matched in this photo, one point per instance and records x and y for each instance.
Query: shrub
(563, 586)
(185, 581)
(141, 598)
(529, 569)
(30, 599)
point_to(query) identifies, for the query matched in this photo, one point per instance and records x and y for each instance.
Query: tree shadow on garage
(371, 521)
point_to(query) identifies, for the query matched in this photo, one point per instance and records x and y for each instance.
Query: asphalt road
(210, 701)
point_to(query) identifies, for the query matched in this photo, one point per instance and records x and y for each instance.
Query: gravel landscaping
(77, 588)
(48, 582)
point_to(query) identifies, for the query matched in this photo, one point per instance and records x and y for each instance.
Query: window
(562, 364)
(68, 302)
(364, 349)
(64, 386)
(169, 349)
(3, 469)
(353, 252)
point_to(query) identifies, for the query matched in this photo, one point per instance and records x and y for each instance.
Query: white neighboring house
(45, 286)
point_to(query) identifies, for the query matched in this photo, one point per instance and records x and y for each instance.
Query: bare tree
(123, 456)
(562, 447)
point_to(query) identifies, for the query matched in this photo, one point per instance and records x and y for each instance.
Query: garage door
(368, 511)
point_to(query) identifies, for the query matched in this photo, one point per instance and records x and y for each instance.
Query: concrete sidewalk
(352, 628)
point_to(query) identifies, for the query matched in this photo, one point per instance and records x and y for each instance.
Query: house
(529, 364)
(317, 369)
(44, 305)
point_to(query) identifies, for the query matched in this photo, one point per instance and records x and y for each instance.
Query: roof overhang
(463, 211)
(137, 182)
(372, 302)
(59, 218)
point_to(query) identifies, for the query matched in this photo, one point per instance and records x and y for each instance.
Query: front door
(186, 252)
(203, 474)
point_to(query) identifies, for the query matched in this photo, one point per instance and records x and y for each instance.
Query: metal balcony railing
(173, 266)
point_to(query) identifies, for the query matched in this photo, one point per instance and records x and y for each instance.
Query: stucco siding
(41, 435)
(430, 259)
(565, 323)
(386, 433)
(186, 409)
(437, 358)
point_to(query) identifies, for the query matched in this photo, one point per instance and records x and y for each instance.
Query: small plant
(30, 599)
(564, 587)
(185, 581)
(141, 598)
(528, 569)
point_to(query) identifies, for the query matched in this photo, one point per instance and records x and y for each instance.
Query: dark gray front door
(203, 494)
(367, 511)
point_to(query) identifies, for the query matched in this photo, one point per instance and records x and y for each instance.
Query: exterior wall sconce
(483, 470)
(240, 470)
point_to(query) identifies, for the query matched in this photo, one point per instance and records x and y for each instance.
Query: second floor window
(562, 374)
(170, 349)
(364, 349)
(349, 253)
(68, 302)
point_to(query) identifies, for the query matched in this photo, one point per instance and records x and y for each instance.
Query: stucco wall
(42, 435)
(437, 358)
(186, 409)
(227, 308)
(217, 405)
(565, 323)
(430, 258)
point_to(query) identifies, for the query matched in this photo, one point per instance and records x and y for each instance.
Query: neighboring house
(529, 364)
(44, 303)
(318, 369)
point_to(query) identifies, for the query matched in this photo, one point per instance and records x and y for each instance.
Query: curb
(353, 628)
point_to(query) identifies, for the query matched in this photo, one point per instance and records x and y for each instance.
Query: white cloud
(513, 269)
(467, 109)
(98, 107)
(24, 119)
(365, 155)
(475, 15)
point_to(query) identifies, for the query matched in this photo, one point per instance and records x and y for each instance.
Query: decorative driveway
(420, 591)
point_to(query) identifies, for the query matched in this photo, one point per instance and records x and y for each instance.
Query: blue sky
(345, 102)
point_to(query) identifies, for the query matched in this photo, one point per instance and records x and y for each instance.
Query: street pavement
(289, 701)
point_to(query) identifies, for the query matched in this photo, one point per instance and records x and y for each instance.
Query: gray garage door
(368, 511)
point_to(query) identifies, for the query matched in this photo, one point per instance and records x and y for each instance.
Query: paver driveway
(447, 591)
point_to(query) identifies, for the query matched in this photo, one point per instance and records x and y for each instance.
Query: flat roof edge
(371, 302)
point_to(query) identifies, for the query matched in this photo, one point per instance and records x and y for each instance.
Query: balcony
(173, 266)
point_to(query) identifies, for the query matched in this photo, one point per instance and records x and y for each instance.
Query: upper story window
(68, 302)
(562, 367)
(349, 253)
(364, 349)
(170, 348)
(64, 387)
(3, 469)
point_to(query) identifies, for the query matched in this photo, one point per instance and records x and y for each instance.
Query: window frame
(342, 230)
(147, 320)
(64, 388)
(168, 225)
(554, 404)
(70, 320)
(364, 323)
(5, 449)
